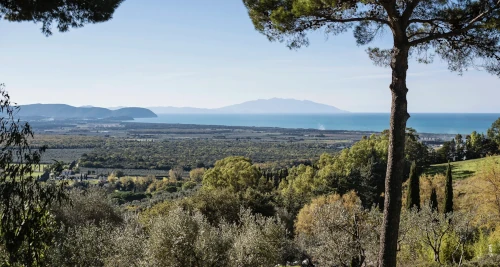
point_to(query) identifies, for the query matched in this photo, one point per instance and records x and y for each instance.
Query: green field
(460, 169)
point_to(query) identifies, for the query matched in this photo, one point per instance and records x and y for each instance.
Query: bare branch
(374, 19)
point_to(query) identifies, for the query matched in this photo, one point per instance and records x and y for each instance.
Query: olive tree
(180, 238)
(26, 224)
(337, 231)
(464, 33)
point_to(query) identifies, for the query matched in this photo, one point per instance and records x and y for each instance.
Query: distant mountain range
(63, 111)
(260, 106)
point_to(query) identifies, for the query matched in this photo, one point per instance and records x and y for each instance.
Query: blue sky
(207, 54)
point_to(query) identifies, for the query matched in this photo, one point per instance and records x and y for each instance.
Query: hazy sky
(207, 54)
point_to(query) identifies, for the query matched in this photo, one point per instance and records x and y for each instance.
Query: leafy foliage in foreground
(26, 225)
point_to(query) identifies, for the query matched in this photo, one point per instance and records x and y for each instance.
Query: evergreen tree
(62, 14)
(371, 185)
(434, 200)
(448, 198)
(463, 33)
(413, 197)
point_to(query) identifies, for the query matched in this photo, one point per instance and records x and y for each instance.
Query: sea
(439, 123)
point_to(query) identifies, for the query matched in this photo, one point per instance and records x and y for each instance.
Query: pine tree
(448, 191)
(413, 197)
(434, 200)
(464, 34)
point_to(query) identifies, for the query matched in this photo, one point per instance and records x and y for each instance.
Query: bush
(184, 239)
(487, 261)
(215, 205)
(443, 238)
(87, 206)
(260, 241)
(128, 245)
(98, 245)
(188, 185)
(123, 197)
(337, 231)
(82, 245)
(171, 189)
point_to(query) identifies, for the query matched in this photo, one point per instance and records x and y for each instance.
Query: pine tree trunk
(395, 162)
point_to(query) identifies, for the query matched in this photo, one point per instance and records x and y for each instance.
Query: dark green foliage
(57, 167)
(90, 206)
(413, 197)
(66, 14)
(485, 261)
(26, 225)
(494, 133)
(188, 154)
(119, 174)
(474, 146)
(462, 33)
(215, 205)
(259, 202)
(448, 191)
(123, 197)
(415, 151)
(372, 182)
(444, 153)
(171, 189)
(188, 185)
(433, 202)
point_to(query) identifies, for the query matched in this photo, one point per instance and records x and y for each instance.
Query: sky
(207, 54)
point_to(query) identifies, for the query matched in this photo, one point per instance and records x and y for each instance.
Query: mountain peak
(67, 111)
(280, 105)
(260, 106)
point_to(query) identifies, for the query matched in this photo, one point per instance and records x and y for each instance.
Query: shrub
(215, 205)
(87, 206)
(123, 197)
(336, 230)
(196, 175)
(443, 238)
(171, 189)
(82, 245)
(188, 185)
(98, 245)
(184, 239)
(487, 261)
(261, 241)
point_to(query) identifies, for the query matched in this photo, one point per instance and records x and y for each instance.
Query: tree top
(464, 33)
(64, 14)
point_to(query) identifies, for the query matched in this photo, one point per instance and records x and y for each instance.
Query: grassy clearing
(460, 169)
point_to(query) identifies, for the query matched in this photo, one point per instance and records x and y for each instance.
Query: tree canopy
(64, 14)
(236, 173)
(463, 33)
(494, 132)
(26, 224)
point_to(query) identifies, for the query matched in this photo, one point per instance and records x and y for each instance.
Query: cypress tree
(413, 195)
(434, 200)
(448, 191)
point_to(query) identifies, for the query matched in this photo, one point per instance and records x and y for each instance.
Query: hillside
(460, 169)
(67, 111)
(260, 106)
